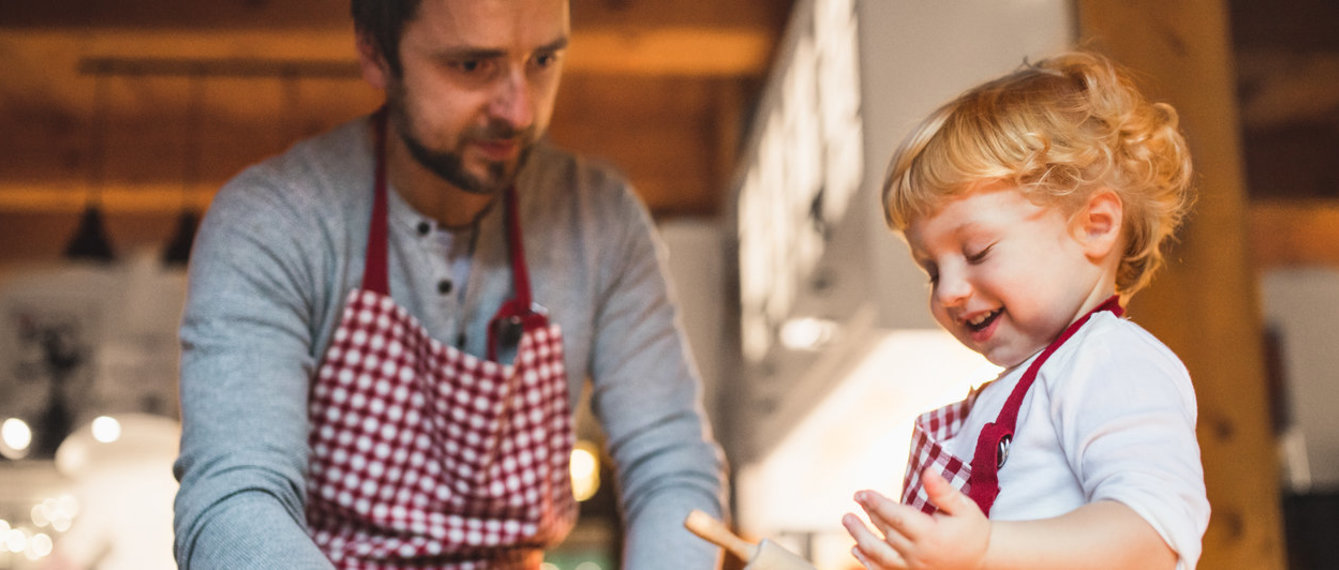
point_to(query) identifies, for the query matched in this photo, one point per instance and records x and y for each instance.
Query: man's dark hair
(383, 21)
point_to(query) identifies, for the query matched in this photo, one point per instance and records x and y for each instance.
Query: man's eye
(544, 60)
(472, 67)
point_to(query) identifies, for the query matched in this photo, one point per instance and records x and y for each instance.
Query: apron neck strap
(993, 443)
(375, 273)
(374, 262)
(520, 275)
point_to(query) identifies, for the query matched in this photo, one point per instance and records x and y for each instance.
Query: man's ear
(370, 60)
(1097, 225)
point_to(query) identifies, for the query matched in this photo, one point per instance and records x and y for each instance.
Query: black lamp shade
(178, 250)
(90, 238)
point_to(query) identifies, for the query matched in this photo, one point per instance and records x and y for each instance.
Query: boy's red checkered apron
(425, 456)
(979, 479)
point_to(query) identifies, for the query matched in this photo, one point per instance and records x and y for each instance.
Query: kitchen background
(757, 133)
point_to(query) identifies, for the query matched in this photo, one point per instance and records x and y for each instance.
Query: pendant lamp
(178, 251)
(90, 241)
(90, 238)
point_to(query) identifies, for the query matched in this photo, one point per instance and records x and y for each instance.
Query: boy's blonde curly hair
(1058, 129)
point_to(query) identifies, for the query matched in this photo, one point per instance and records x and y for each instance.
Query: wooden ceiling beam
(687, 51)
(672, 51)
(290, 15)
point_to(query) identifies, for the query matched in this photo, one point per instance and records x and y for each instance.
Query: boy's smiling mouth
(979, 322)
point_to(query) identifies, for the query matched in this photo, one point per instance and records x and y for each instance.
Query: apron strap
(992, 446)
(519, 272)
(519, 313)
(514, 316)
(374, 262)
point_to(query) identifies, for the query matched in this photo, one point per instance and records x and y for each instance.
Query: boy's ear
(373, 65)
(1097, 225)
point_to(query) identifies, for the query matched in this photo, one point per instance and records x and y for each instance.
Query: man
(388, 326)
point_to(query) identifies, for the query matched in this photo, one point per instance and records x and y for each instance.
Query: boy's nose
(951, 289)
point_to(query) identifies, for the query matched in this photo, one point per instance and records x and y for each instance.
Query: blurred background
(757, 132)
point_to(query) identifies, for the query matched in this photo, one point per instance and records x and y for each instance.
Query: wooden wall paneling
(1204, 305)
(662, 131)
(651, 72)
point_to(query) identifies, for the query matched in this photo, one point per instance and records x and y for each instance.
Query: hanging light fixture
(90, 241)
(178, 250)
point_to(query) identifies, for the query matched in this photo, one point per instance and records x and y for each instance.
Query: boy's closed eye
(979, 256)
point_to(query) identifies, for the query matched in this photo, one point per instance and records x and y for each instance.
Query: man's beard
(449, 165)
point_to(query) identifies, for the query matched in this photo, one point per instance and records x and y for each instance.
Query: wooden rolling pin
(765, 555)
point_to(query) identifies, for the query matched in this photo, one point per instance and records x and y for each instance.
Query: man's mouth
(499, 149)
(980, 322)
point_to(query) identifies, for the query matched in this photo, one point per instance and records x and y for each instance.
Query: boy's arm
(1104, 534)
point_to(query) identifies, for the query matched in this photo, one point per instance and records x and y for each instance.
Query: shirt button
(424, 228)
(444, 286)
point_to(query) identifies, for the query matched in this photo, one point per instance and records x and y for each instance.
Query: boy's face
(1006, 275)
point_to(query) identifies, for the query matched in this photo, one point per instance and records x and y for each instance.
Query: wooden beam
(1204, 305)
(689, 51)
(155, 198)
(672, 51)
(149, 16)
(1292, 233)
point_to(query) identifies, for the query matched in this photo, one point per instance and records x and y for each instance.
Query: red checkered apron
(979, 479)
(425, 456)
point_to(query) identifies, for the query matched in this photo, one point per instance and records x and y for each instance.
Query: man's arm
(246, 337)
(647, 393)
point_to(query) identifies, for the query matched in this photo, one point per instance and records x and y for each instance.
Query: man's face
(477, 86)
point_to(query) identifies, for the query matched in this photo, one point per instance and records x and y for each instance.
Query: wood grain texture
(1204, 304)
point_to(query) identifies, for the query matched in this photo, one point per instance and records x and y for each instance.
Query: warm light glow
(61, 525)
(39, 546)
(585, 470)
(39, 515)
(15, 437)
(806, 333)
(57, 513)
(106, 429)
(16, 540)
(548, 566)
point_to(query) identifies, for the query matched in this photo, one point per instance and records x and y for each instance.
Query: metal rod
(230, 67)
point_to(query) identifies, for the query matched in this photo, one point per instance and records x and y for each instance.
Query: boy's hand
(955, 537)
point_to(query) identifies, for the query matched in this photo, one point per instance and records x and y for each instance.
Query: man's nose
(513, 101)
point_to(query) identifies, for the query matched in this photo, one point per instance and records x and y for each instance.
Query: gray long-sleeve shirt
(281, 247)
